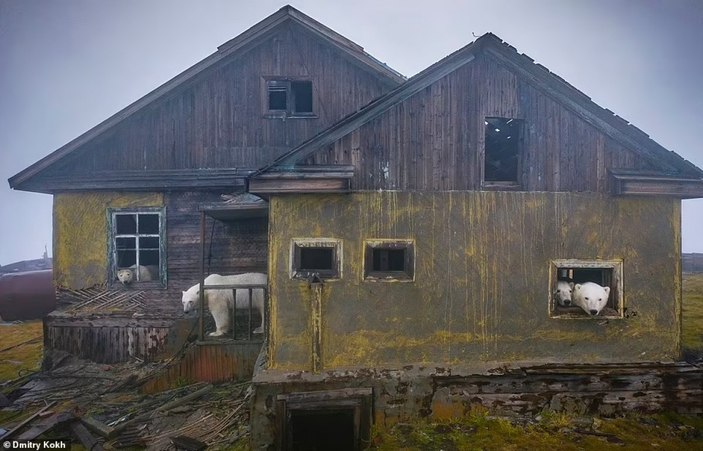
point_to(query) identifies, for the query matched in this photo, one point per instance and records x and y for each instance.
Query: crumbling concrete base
(399, 395)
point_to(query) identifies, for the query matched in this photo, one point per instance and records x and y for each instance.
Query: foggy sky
(66, 66)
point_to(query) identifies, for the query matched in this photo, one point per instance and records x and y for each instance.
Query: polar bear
(591, 297)
(128, 275)
(221, 302)
(563, 293)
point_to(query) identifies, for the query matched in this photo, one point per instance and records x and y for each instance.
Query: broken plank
(46, 425)
(85, 437)
(190, 397)
(98, 427)
(28, 420)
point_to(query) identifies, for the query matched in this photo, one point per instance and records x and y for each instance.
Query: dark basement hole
(317, 430)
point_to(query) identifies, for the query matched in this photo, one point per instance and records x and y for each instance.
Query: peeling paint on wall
(481, 288)
(81, 234)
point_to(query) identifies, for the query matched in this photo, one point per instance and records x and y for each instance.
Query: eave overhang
(177, 179)
(651, 184)
(303, 179)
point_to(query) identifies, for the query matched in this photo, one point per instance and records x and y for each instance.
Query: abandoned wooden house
(131, 191)
(413, 233)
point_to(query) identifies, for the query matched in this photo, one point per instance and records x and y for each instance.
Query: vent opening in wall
(315, 257)
(586, 289)
(390, 260)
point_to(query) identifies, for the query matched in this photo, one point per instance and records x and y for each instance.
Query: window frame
(616, 301)
(405, 275)
(289, 111)
(504, 184)
(112, 214)
(297, 244)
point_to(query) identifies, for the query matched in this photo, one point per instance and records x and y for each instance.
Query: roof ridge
(223, 51)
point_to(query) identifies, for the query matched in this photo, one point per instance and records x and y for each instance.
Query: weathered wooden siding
(481, 290)
(217, 120)
(231, 247)
(81, 242)
(208, 362)
(81, 234)
(107, 340)
(435, 139)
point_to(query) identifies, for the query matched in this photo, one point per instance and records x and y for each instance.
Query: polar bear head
(563, 293)
(191, 298)
(126, 276)
(591, 297)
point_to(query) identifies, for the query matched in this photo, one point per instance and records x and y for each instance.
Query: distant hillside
(27, 265)
(692, 263)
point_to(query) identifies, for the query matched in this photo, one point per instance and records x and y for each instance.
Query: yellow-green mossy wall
(81, 234)
(481, 291)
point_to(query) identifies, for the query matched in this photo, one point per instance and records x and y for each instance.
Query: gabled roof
(240, 43)
(603, 119)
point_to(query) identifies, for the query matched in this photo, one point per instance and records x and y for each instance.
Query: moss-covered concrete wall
(81, 234)
(481, 288)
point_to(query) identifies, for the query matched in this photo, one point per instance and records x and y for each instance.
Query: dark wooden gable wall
(434, 139)
(217, 120)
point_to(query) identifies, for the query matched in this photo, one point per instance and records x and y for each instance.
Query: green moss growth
(480, 431)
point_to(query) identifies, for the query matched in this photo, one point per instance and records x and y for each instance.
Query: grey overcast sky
(66, 66)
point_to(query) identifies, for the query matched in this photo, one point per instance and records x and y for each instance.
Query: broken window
(315, 257)
(389, 260)
(601, 279)
(289, 97)
(502, 150)
(136, 244)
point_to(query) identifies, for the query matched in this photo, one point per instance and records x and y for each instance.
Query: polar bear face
(191, 298)
(563, 293)
(591, 297)
(125, 276)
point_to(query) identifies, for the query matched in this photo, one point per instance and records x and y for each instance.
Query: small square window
(289, 97)
(389, 260)
(315, 257)
(586, 289)
(502, 150)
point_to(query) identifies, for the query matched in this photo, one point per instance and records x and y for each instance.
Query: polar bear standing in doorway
(222, 302)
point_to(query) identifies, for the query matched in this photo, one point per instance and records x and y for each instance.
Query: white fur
(563, 293)
(128, 275)
(221, 302)
(591, 297)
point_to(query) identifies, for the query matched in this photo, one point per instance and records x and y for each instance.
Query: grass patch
(20, 349)
(692, 335)
(480, 431)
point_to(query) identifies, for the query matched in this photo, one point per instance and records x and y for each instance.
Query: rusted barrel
(26, 295)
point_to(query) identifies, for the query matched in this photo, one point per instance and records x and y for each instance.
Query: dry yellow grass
(20, 349)
(692, 336)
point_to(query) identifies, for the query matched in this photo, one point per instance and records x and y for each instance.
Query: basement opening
(568, 275)
(321, 420)
(322, 429)
(502, 150)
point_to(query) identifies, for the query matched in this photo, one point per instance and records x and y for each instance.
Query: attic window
(502, 150)
(575, 275)
(289, 97)
(136, 244)
(315, 257)
(392, 260)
